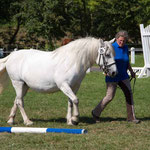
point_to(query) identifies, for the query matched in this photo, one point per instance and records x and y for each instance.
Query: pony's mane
(81, 51)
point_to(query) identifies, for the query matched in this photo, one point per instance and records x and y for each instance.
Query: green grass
(49, 111)
(139, 61)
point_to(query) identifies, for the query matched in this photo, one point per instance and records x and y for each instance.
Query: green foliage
(144, 12)
(113, 16)
(52, 20)
(44, 18)
(5, 11)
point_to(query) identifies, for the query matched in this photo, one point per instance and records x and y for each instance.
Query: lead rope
(133, 81)
(133, 87)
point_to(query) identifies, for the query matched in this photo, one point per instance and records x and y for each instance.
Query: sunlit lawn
(49, 111)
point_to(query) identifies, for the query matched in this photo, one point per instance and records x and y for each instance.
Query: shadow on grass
(84, 119)
(144, 119)
(102, 119)
(108, 119)
(62, 120)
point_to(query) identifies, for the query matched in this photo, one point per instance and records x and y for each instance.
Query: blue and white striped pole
(41, 130)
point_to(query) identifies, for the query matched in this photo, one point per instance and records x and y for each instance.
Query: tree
(46, 19)
(5, 15)
(79, 17)
(51, 20)
(144, 12)
(11, 14)
(112, 16)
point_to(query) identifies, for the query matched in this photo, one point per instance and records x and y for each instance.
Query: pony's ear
(101, 42)
(112, 41)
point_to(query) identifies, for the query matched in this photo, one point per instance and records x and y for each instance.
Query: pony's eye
(107, 52)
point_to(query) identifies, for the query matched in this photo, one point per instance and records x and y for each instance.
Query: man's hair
(122, 33)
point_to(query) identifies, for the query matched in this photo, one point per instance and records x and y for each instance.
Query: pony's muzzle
(114, 74)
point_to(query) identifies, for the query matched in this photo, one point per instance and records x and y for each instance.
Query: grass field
(49, 111)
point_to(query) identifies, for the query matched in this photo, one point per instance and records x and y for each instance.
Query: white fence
(133, 53)
(145, 38)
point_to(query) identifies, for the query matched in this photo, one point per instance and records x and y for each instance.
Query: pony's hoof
(95, 118)
(10, 122)
(74, 122)
(69, 124)
(28, 123)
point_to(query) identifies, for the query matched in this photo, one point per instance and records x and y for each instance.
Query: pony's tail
(3, 74)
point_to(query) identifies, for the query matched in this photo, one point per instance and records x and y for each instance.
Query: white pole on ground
(41, 130)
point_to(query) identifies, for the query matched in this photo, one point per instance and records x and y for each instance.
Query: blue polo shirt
(122, 62)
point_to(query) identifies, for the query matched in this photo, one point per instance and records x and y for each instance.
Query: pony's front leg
(75, 117)
(69, 112)
(65, 88)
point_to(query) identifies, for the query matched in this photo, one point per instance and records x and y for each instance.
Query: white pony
(62, 69)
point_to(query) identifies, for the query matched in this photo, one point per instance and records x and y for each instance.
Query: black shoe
(134, 121)
(96, 118)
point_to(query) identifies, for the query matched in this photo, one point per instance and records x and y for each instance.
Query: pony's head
(105, 58)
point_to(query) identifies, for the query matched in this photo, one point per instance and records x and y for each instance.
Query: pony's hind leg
(21, 89)
(15, 106)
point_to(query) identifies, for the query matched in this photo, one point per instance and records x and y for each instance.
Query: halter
(102, 62)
